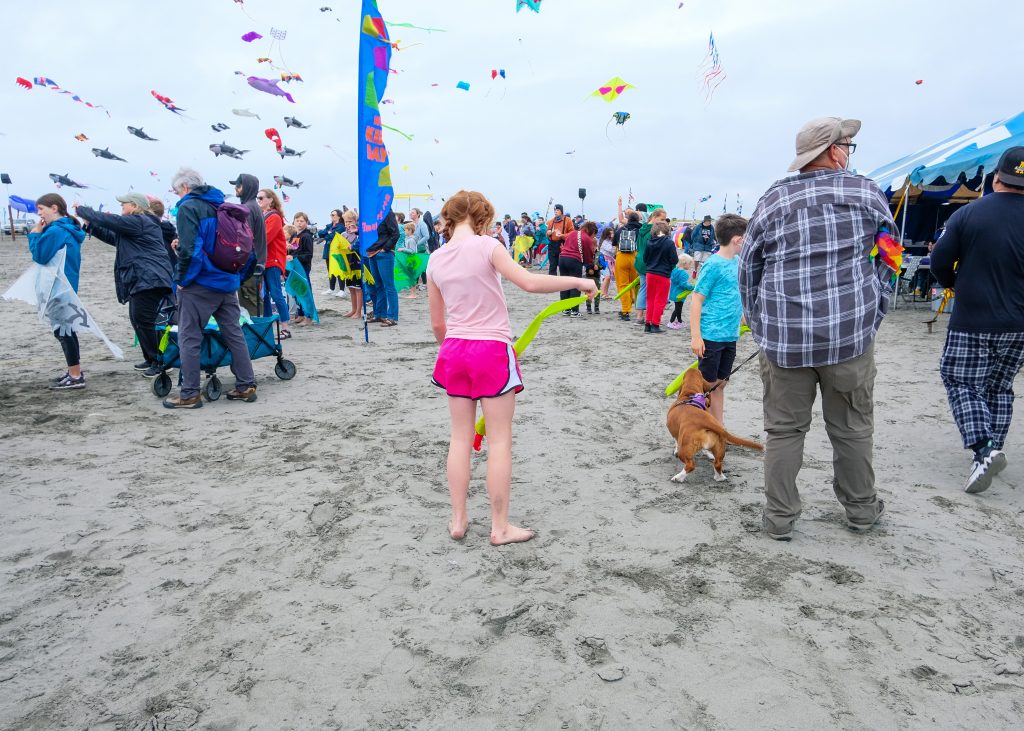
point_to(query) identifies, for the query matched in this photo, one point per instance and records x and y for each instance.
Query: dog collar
(700, 400)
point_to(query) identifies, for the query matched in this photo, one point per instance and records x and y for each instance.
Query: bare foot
(457, 534)
(511, 534)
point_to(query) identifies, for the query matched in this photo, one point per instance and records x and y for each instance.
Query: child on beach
(660, 259)
(606, 247)
(716, 311)
(354, 273)
(476, 361)
(682, 280)
(407, 248)
(300, 246)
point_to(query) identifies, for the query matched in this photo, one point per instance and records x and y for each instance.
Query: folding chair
(905, 284)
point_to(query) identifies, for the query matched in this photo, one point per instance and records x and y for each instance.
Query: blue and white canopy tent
(955, 170)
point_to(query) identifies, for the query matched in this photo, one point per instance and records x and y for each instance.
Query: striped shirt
(811, 294)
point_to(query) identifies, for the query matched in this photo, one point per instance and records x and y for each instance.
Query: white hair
(187, 177)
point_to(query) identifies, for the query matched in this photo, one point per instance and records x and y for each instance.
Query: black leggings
(677, 313)
(143, 308)
(554, 250)
(69, 344)
(569, 267)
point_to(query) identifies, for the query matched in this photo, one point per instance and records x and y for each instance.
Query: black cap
(558, 207)
(1011, 167)
(237, 181)
(707, 218)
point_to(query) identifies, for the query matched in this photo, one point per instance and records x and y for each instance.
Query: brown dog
(695, 429)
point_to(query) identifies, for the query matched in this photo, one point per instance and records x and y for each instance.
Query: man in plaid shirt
(814, 298)
(981, 255)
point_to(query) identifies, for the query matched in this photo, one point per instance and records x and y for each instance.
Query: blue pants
(641, 297)
(385, 296)
(273, 291)
(977, 370)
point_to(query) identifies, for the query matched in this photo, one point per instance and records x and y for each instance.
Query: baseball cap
(236, 181)
(1011, 166)
(818, 135)
(137, 198)
(707, 218)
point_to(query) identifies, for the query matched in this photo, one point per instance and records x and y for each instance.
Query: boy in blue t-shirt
(716, 311)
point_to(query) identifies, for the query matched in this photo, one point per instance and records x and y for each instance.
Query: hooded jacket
(169, 233)
(64, 233)
(277, 247)
(387, 235)
(197, 234)
(141, 260)
(250, 185)
(660, 256)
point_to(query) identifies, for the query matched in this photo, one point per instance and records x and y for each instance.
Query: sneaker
(647, 327)
(326, 292)
(575, 315)
(141, 366)
(566, 313)
(177, 402)
(58, 379)
(421, 288)
(861, 527)
(69, 383)
(248, 395)
(623, 317)
(153, 371)
(988, 462)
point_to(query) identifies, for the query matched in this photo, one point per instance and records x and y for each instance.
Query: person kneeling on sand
(476, 361)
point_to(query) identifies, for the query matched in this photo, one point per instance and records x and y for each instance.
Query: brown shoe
(177, 402)
(248, 395)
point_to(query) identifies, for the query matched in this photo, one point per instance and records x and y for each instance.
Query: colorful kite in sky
(251, 36)
(620, 118)
(268, 86)
(711, 68)
(611, 89)
(168, 103)
(464, 85)
(495, 73)
(533, 5)
(81, 137)
(51, 84)
(273, 135)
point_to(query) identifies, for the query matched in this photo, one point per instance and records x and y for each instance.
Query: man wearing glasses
(814, 298)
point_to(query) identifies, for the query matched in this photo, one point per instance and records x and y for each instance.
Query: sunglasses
(262, 198)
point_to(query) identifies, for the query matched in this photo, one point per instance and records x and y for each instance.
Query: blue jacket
(680, 283)
(697, 238)
(64, 233)
(197, 234)
(327, 234)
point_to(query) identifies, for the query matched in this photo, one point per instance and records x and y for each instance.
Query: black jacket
(387, 235)
(661, 256)
(141, 261)
(305, 251)
(169, 233)
(250, 187)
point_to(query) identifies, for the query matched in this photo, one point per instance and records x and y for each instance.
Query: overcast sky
(785, 62)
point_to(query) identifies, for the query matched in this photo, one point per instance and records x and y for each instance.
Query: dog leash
(752, 356)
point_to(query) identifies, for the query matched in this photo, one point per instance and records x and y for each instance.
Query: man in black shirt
(981, 257)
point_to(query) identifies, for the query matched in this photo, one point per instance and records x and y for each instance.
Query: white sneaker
(986, 465)
(326, 292)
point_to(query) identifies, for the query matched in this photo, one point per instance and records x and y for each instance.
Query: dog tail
(741, 442)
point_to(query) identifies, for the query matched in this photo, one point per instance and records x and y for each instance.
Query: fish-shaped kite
(281, 181)
(244, 113)
(264, 59)
(294, 122)
(168, 103)
(268, 86)
(612, 88)
(106, 154)
(289, 152)
(274, 136)
(61, 180)
(81, 137)
(219, 127)
(226, 149)
(141, 135)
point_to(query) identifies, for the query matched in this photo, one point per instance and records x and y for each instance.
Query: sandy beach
(285, 564)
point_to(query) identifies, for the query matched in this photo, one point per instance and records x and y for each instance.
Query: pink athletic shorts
(477, 369)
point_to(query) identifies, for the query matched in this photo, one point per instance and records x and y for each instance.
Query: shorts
(717, 361)
(700, 257)
(477, 369)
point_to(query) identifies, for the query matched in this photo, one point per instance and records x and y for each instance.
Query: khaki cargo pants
(847, 401)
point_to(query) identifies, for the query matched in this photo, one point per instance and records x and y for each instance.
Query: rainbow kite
(889, 251)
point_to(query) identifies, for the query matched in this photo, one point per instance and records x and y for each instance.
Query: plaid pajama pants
(978, 371)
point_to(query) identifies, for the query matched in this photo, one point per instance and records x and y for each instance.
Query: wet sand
(285, 564)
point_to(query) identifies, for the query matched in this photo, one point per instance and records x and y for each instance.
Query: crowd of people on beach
(811, 274)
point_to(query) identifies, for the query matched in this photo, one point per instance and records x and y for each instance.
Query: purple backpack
(233, 245)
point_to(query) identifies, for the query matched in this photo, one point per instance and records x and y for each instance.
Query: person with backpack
(142, 271)
(246, 187)
(211, 242)
(625, 241)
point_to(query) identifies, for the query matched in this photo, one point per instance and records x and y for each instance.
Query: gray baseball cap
(137, 198)
(818, 135)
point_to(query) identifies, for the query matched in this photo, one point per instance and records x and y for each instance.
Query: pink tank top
(471, 288)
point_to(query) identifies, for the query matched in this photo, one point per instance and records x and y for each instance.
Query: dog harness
(700, 400)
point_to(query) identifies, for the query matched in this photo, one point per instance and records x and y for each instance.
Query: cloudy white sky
(785, 63)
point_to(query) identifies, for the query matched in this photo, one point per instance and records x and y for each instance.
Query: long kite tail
(523, 343)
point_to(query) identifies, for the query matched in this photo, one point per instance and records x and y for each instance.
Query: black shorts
(717, 361)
